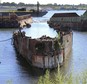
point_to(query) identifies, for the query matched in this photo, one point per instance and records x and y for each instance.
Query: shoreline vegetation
(49, 6)
(60, 78)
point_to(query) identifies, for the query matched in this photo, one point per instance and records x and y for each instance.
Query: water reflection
(25, 66)
(79, 54)
(37, 30)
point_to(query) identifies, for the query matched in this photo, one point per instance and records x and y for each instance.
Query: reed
(63, 79)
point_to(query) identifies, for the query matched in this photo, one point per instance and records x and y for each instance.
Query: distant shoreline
(45, 7)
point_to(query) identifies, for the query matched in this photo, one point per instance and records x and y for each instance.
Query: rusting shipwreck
(14, 20)
(42, 46)
(64, 19)
(72, 20)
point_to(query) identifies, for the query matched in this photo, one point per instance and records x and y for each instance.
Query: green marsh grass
(63, 79)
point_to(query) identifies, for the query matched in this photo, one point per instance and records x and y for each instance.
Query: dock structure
(46, 50)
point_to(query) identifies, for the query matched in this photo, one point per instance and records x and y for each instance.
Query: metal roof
(65, 15)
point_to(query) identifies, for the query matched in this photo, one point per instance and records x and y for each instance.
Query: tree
(21, 4)
(55, 4)
(5, 3)
(13, 4)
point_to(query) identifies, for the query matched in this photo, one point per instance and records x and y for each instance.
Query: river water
(16, 70)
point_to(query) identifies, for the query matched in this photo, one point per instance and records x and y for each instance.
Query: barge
(13, 20)
(42, 46)
(72, 20)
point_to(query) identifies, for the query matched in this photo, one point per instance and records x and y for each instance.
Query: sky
(75, 2)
